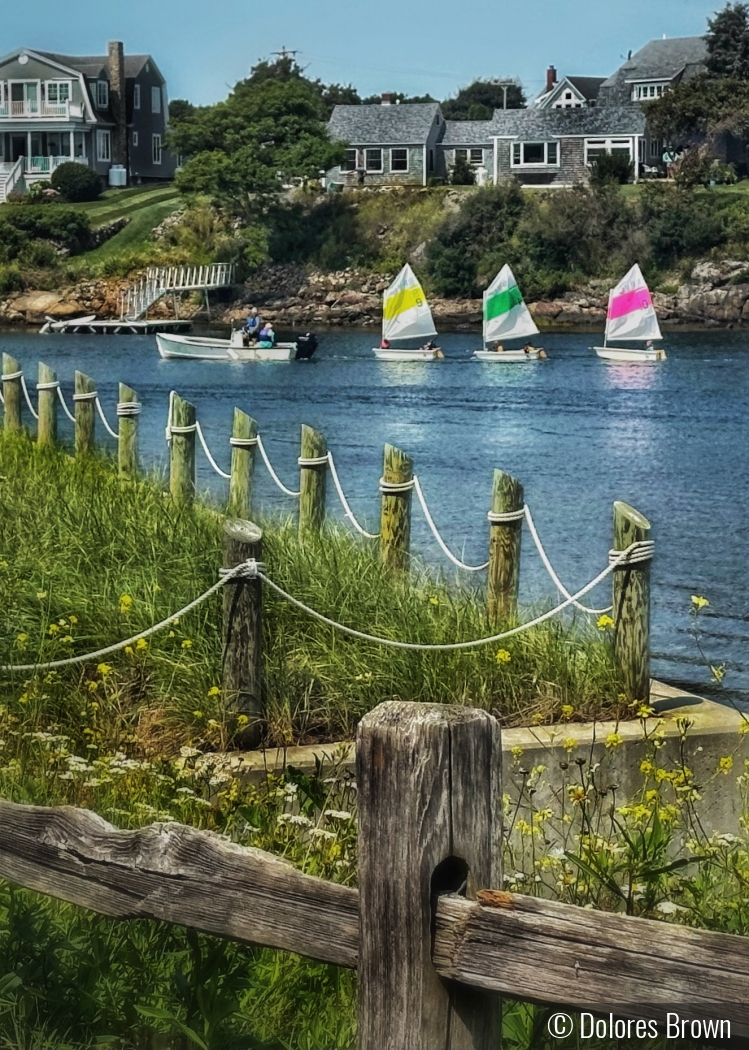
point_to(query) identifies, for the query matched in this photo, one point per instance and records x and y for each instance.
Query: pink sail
(629, 301)
(631, 314)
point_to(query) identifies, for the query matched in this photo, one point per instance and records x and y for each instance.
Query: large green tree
(727, 41)
(478, 100)
(703, 107)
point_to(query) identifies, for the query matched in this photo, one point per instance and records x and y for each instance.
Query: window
(102, 94)
(477, 156)
(641, 92)
(156, 100)
(597, 147)
(135, 138)
(136, 96)
(656, 149)
(399, 160)
(431, 160)
(156, 149)
(533, 154)
(349, 163)
(374, 160)
(103, 145)
(58, 91)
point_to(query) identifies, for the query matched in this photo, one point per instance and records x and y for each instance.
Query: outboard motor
(305, 346)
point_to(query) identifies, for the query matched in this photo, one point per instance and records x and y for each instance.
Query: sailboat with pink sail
(631, 317)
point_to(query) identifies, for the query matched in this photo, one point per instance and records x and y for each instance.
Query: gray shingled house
(98, 110)
(569, 92)
(656, 67)
(388, 144)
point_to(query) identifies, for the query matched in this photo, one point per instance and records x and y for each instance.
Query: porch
(17, 176)
(33, 109)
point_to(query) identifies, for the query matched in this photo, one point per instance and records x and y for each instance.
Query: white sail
(505, 314)
(405, 311)
(631, 314)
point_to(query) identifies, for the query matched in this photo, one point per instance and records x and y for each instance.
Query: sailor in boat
(253, 325)
(385, 344)
(266, 336)
(497, 347)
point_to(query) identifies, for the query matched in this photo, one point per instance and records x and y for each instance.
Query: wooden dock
(119, 327)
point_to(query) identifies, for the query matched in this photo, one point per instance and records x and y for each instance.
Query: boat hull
(394, 354)
(631, 354)
(200, 348)
(505, 357)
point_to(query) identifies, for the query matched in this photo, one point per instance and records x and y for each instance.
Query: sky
(418, 47)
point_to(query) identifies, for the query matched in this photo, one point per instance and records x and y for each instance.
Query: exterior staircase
(11, 178)
(161, 280)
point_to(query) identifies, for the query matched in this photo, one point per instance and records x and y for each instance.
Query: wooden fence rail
(432, 948)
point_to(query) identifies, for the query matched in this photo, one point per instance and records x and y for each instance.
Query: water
(670, 439)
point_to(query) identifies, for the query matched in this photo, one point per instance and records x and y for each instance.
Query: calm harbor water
(670, 439)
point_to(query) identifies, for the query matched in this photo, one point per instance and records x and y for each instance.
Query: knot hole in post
(450, 876)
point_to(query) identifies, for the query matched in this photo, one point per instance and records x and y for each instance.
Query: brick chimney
(118, 101)
(386, 99)
(551, 78)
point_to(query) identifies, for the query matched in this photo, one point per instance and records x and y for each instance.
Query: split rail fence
(434, 942)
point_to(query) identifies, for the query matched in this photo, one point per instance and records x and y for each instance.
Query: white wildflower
(337, 814)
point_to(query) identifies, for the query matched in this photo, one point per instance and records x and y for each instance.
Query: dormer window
(645, 92)
(102, 94)
(58, 91)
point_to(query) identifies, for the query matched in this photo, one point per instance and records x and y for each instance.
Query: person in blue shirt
(253, 324)
(267, 336)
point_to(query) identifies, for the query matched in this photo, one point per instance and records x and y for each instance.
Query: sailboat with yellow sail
(406, 317)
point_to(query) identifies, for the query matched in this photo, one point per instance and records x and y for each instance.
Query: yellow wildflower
(577, 794)
(73, 620)
(537, 718)
(41, 595)
(54, 629)
(604, 622)
(503, 657)
(68, 639)
(647, 767)
(725, 764)
(567, 710)
(569, 744)
(21, 639)
(242, 721)
(517, 751)
(197, 714)
(187, 644)
(126, 604)
(744, 727)
(613, 740)
(644, 710)
(93, 686)
(142, 643)
(699, 602)
(214, 691)
(433, 599)
(104, 669)
(129, 651)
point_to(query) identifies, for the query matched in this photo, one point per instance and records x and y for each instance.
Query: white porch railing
(10, 175)
(34, 110)
(46, 165)
(159, 280)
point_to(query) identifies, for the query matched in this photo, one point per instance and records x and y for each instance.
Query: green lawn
(145, 206)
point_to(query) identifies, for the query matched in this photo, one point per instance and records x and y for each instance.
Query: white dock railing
(160, 280)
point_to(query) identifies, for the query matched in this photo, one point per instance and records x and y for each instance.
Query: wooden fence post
(243, 447)
(182, 456)
(46, 431)
(313, 471)
(243, 632)
(395, 515)
(503, 578)
(128, 410)
(12, 393)
(631, 600)
(85, 414)
(428, 779)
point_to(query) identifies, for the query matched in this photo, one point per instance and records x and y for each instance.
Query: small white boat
(631, 316)
(207, 348)
(506, 317)
(406, 315)
(51, 325)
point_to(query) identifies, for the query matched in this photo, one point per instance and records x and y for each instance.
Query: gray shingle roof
(587, 86)
(94, 65)
(657, 60)
(466, 133)
(542, 124)
(377, 125)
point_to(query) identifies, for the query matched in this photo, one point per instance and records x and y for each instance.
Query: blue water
(670, 439)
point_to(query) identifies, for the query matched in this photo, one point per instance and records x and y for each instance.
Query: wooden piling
(428, 786)
(85, 414)
(127, 428)
(244, 428)
(243, 634)
(312, 478)
(503, 578)
(631, 600)
(12, 394)
(395, 515)
(182, 454)
(47, 402)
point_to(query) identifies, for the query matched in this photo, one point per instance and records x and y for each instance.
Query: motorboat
(213, 348)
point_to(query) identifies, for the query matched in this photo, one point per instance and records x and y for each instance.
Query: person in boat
(266, 336)
(497, 347)
(253, 324)
(385, 344)
(431, 345)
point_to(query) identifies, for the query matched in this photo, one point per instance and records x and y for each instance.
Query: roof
(540, 124)
(466, 133)
(657, 60)
(94, 65)
(587, 86)
(379, 125)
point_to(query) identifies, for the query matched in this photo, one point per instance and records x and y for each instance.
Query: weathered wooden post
(243, 632)
(428, 779)
(506, 517)
(631, 600)
(313, 470)
(128, 410)
(12, 393)
(396, 486)
(46, 388)
(243, 443)
(85, 413)
(182, 450)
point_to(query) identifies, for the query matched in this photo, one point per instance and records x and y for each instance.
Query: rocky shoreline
(716, 294)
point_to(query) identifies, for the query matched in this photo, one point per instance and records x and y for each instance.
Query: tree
(702, 107)
(727, 41)
(611, 169)
(180, 109)
(397, 97)
(462, 173)
(479, 100)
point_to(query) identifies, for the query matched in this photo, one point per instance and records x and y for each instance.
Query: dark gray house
(656, 67)
(100, 110)
(388, 144)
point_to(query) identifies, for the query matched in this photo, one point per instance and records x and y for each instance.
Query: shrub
(65, 227)
(38, 255)
(680, 225)
(11, 280)
(77, 182)
(462, 173)
(611, 168)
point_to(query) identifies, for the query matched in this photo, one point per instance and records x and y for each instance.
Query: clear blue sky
(413, 46)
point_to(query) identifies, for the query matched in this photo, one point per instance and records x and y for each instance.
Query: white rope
(67, 411)
(54, 384)
(445, 646)
(129, 408)
(637, 553)
(313, 461)
(207, 451)
(271, 471)
(505, 517)
(435, 532)
(86, 395)
(243, 569)
(25, 389)
(550, 569)
(395, 488)
(243, 442)
(112, 433)
(345, 504)
(2, 399)
(8, 377)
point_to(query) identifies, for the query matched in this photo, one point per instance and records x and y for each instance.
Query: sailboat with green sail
(506, 317)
